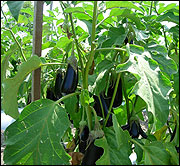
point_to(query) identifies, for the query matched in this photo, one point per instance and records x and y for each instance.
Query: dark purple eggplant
(134, 130)
(70, 81)
(119, 97)
(58, 84)
(126, 41)
(105, 104)
(50, 95)
(92, 154)
(83, 139)
(177, 149)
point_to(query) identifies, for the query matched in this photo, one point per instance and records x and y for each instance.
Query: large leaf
(74, 9)
(117, 156)
(100, 83)
(169, 16)
(153, 87)
(72, 107)
(126, 4)
(105, 158)
(155, 154)
(128, 14)
(11, 86)
(34, 138)
(15, 7)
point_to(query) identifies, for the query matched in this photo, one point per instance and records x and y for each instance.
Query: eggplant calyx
(73, 62)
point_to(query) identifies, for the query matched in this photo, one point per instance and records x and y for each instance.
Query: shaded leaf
(128, 14)
(153, 87)
(34, 138)
(105, 158)
(11, 86)
(151, 150)
(15, 7)
(117, 156)
(169, 16)
(72, 107)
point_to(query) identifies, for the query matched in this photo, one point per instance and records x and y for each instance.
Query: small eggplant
(50, 95)
(83, 139)
(134, 130)
(58, 84)
(92, 154)
(70, 81)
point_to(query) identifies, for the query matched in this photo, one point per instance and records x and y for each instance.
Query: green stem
(113, 97)
(108, 49)
(16, 42)
(165, 37)
(91, 56)
(101, 106)
(89, 118)
(45, 64)
(67, 96)
(150, 11)
(126, 98)
(76, 42)
(134, 141)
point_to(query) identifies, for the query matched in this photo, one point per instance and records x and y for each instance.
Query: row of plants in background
(95, 84)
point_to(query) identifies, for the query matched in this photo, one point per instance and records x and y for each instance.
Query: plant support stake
(37, 45)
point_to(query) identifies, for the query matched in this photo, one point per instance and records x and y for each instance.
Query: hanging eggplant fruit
(58, 83)
(119, 97)
(70, 81)
(50, 94)
(105, 104)
(92, 154)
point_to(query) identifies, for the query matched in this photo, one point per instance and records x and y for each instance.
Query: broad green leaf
(168, 7)
(126, 4)
(153, 47)
(121, 137)
(100, 83)
(155, 154)
(153, 87)
(166, 64)
(138, 150)
(23, 19)
(72, 107)
(159, 133)
(63, 42)
(105, 64)
(11, 86)
(105, 158)
(48, 45)
(117, 156)
(28, 11)
(117, 35)
(169, 16)
(34, 138)
(128, 14)
(170, 148)
(74, 9)
(15, 7)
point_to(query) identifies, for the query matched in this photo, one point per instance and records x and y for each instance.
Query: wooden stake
(37, 45)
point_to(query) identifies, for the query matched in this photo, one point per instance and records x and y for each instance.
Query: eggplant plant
(109, 83)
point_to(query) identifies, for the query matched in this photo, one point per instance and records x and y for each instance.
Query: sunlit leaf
(35, 137)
